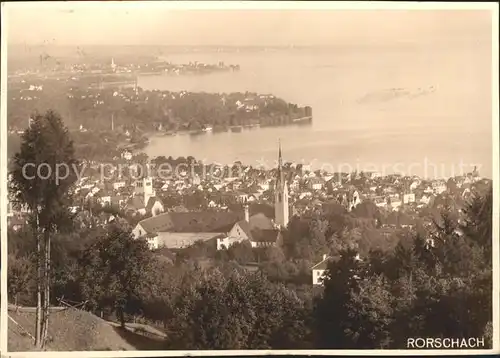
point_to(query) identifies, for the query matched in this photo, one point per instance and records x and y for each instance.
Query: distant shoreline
(306, 120)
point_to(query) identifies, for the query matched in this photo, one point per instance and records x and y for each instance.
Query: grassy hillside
(76, 330)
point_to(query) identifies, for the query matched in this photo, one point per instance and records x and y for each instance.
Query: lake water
(443, 131)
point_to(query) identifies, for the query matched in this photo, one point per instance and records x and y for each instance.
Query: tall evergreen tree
(44, 171)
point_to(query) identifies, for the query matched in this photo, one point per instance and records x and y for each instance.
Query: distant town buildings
(259, 229)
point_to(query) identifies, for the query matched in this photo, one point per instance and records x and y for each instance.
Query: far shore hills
(130, 115)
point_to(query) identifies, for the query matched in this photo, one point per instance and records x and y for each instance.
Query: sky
(70, 23)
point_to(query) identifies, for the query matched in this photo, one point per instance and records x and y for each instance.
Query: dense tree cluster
(439, 286)
(207, 299)
(146, 110)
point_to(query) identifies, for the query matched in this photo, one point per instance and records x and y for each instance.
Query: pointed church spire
(280, 163)
(279, 153)
(281, 195)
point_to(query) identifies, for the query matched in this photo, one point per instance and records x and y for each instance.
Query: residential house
(118, 200)
(350, 198)
(414, 185)
(253, 197)
(408, 198)
(118, 185)
(242, 197)
(155, 206)
(258, 229)
(103, 197)
(195, 179)
(380, 202)
(428, 190)
(294, 185)
(356, 199)
(305, 194)
(439, 187)
(166, 185)
(466, 193)
(265, 185)
(315, 183)
(328, 177)
(135, 206)
(127, 154)
(94, 190)
(459, 181)
(427, 199)
(389, 190)
(318, 270)
(395, 203)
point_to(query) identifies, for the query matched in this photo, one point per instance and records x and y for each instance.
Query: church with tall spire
(281, 214)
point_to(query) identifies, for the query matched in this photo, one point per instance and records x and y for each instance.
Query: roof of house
(255, 208)
(116, 198)
(152, 200)
(84, 191)
(323, 265)
(259, 229)
(186, 222)
(260, 221)
(315, 180)
(245, 226)
(102, 193)
(265, 235)
(256, 222)
(136, 203)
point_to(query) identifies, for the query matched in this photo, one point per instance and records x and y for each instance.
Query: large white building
(180, 230)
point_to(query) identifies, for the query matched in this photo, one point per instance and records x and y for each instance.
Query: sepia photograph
(244, 177)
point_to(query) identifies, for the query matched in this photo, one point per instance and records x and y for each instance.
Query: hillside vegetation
(75, 330)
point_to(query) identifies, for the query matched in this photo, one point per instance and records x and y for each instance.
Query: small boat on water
(208, 129)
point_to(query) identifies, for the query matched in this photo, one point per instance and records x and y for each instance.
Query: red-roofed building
(258, 229)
